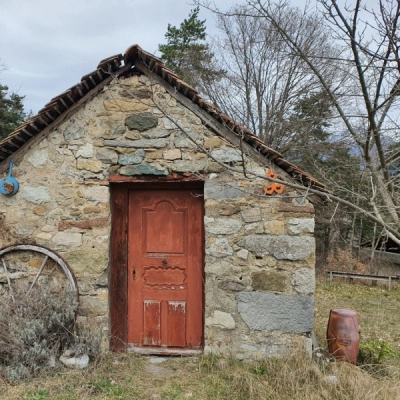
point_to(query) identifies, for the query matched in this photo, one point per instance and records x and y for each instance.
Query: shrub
(35, 329)
(374, 352)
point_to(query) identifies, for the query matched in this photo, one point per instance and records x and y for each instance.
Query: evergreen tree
(187, 52)
(12, 112)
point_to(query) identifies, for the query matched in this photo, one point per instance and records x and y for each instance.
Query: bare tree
(363, 87)
(264, 78)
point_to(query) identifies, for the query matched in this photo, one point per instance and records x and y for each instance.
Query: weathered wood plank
(118, 271)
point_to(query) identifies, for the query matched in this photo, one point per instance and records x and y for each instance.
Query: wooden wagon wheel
(48, 255)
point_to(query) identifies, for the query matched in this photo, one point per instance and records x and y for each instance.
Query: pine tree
(187, 52)
(12, 112)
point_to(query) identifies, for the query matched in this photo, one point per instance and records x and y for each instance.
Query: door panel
(151, 323)
(165, 269)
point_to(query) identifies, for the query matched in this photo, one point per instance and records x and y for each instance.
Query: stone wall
(259, 250)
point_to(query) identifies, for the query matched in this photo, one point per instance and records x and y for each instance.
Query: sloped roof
(62, 106)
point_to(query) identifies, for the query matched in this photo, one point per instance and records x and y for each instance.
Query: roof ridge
(134, 56)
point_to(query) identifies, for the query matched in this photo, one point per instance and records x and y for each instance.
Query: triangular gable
(66, 104)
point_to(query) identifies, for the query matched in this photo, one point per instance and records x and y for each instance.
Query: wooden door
(165, 270)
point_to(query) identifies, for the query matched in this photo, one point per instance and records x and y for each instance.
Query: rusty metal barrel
(343, 334)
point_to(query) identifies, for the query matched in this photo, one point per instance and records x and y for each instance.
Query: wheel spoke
(8, 280)
(39, 273)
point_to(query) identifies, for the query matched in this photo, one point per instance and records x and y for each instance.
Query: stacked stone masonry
(259, 250)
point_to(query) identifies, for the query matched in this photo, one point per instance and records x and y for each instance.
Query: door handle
(134, 273)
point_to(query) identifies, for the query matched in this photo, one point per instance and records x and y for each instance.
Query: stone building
(157, 203)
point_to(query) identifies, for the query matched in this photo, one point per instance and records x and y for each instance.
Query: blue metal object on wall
(9, 185)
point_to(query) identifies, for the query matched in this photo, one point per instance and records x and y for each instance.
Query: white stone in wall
(174, 154)
(227, 155)
(43, 236)
(282, 247)
(222, 226)
(38, 158)
(220, 248)
(36, 195)
(85, 151)
(251, 214)
(168, 124)
(303, 281)
(243, 254)
(73, 131)
(99, 194)
(220, 319)
(301, 225)
(67, 239)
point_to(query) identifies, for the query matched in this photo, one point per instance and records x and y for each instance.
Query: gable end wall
(259, 251)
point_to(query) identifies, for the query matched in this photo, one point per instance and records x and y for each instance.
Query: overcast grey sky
(48, 45)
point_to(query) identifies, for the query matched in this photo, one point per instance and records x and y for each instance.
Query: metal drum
(343, 334)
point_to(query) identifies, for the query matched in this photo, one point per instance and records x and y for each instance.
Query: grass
(377, 309)
(121, 376)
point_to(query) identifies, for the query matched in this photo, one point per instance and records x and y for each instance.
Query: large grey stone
(156, 134)
(303, 281)
(189, 166)
(99, 194)
(282, 247)
(251, 214)
(85, 151)
(38, 158)
(268, 311)
(67, 239)
(183, 140)
(222, 226)
(86, 261)
(227, 155)
(222, 192)
(232, 286)
(107, 156)
(220, 248)
(292, 247)
(142, 169)
(301, 225)
(141, 121)
(168, 124)
(73, 131)
(220, 319)
(141, 143)
(131, 159)
(36, 195)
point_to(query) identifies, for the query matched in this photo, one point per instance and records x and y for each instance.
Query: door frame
(118, 251)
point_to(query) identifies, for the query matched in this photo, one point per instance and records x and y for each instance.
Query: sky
(48, 45)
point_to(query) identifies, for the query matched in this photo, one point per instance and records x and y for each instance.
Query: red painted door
(165, 270)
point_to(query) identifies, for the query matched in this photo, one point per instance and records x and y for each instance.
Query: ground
(121, 376)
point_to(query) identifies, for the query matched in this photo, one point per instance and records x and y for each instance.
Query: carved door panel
(165, 270)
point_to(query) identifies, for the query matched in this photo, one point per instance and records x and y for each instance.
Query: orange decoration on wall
(273, 187)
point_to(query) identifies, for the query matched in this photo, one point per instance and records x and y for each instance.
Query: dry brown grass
(129, 377)
(117, 376)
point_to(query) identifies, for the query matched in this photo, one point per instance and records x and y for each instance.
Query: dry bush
(35, 328)
(339, 260)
